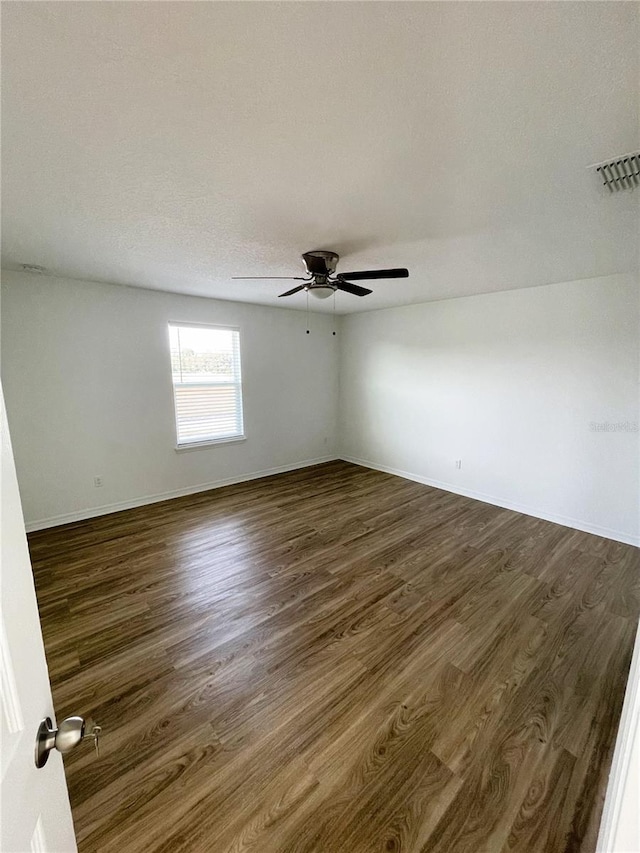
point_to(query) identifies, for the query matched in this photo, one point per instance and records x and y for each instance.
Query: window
(207, 385)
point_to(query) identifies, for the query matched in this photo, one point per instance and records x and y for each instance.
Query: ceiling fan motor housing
(320, 262)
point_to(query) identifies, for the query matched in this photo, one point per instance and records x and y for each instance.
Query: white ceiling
(173, 145)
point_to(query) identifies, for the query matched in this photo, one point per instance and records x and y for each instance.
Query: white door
(36, 815)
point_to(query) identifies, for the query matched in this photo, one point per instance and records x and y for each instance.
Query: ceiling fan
(322, 279)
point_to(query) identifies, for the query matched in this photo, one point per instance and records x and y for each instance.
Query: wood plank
(337, 660)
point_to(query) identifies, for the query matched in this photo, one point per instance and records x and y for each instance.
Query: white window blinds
(207, 383)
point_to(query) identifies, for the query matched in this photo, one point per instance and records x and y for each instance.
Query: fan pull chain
(307, 311)
(333, 315)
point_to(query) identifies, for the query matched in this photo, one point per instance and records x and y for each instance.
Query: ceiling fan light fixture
(321, 291)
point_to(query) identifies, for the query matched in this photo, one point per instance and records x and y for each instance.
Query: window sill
(198, 445)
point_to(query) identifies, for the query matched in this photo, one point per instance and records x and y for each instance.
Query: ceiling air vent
(621, 173)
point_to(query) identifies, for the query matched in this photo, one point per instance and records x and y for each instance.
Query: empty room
(320, 360)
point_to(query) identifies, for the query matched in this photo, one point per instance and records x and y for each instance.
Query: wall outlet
(458, 463)
(98, 482)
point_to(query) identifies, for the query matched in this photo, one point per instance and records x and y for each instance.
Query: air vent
(621, 173)
(35, 268)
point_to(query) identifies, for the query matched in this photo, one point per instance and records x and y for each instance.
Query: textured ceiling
(173, 145)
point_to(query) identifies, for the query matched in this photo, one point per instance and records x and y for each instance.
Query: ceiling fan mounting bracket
(320, 262)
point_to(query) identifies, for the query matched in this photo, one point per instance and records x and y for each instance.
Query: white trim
(566, 521)
(196, 445)
(106, 509)
(224, 328)
(618, 786)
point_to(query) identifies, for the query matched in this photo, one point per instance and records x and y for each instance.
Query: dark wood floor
(337, 660)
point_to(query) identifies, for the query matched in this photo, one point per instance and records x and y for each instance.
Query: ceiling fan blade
(370, 274)
(352, 288)
(272, 277)
(290, 292)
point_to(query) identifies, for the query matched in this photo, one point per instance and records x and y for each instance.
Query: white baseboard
(566, 521)
(106, 509)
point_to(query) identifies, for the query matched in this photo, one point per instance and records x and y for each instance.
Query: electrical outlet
(98, 482)
(458, 463)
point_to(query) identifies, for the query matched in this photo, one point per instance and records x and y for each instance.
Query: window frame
(209, 442)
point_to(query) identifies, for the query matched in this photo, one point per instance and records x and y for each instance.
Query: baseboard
(565, 521)
(106, 509)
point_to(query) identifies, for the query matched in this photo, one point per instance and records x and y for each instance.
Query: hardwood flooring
(337, 660)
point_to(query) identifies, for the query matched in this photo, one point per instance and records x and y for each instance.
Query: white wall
(509, 383)
(86, 374)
